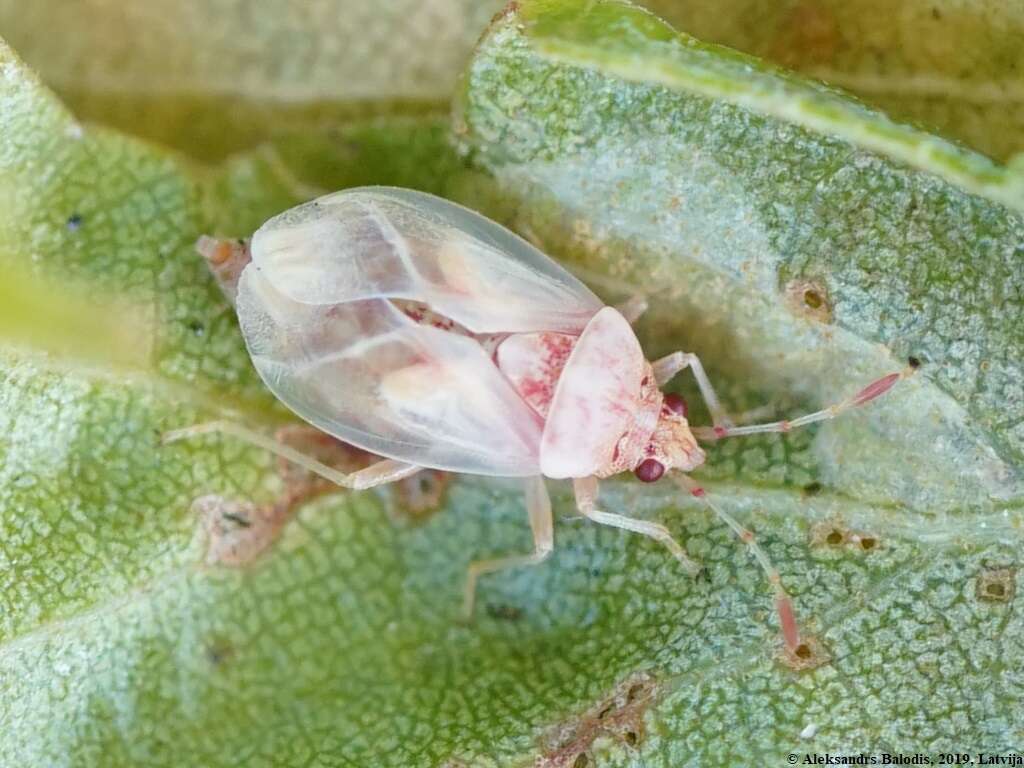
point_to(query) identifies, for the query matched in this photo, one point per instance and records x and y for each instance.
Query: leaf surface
(121, 643)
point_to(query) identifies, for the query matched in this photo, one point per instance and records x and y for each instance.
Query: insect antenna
(873, 390)
(783, 603)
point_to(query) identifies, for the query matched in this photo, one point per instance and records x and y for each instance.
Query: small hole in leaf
(914, 362)
(581, 761)
(867, 542)
(634, 692)
(813, 488)
(802, 651)
(835, 538)
(809, 298)
(813, 299)
(996, 585)
(631, 738)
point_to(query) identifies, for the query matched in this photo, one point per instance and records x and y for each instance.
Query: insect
(427, 334)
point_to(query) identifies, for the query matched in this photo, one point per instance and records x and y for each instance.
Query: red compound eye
(649, 470)
(677, 405)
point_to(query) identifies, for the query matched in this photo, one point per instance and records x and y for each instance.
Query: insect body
(427, 334)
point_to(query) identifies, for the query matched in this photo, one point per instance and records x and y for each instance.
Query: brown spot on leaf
(236, 531)
(996, 585)
(813, 488)
(809, 654)
(239, 531)
(219, 651)
(422, 494)
(809, 299)
(504, 612)
(619, 716)
(418, 496)
(833, 533)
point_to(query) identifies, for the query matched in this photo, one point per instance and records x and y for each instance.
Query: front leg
(632, 308)
(670, 365)
(586, 501)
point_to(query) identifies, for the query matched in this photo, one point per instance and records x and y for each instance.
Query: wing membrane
(365, 373)
(383, 242)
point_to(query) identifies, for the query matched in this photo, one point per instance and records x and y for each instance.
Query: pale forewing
(365, 373)
(374, 242)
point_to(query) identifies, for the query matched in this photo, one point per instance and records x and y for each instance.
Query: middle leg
(538, 507)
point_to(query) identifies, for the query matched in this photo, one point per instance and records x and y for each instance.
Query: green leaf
(796, 263)
(214, 77)
(126, 639)
(950, 65)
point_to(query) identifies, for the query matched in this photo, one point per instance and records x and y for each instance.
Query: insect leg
(586, 489)
(783, 604)
(382, 472)
(538, 507)
(867, 394)
(632, 308)
(670, 365)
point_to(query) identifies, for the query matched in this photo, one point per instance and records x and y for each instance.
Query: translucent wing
(365, 373)
(376, 242)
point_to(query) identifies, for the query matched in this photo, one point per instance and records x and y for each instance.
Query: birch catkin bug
(429, 335)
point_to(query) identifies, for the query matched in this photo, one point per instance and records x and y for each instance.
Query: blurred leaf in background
(798, 262)
(212, 76)
(955, 67)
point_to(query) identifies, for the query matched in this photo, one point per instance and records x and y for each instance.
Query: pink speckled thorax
(603, 411)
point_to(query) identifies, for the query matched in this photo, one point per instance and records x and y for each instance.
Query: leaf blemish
(813, 488)
(74, 222)
(996, 585)
(237, 532)
(834, 533)
(809, 654)
(619, 716)
(218, 651)
(421, 495)
(504, 612)
(809, 299)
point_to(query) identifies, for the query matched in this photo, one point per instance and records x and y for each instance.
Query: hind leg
(384, 471)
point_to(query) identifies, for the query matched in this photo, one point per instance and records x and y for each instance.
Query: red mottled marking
(785, 426)
(721, 432)
(876, 389)
(539, 389)
(698, 492)
(790, 631)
